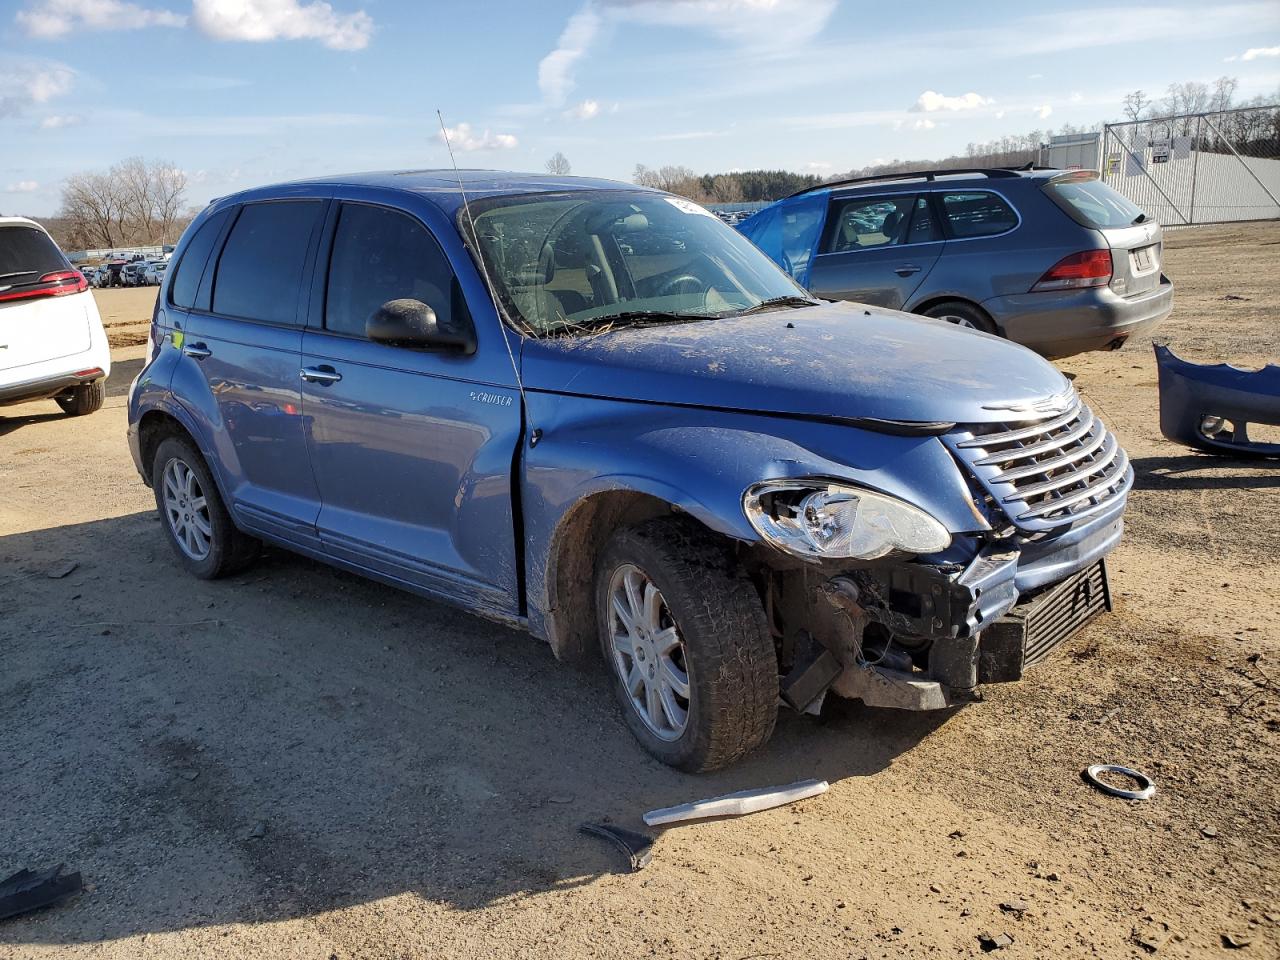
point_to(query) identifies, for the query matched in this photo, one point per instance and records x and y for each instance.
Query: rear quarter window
(977, 213)
(1091, 203)
(26, 254)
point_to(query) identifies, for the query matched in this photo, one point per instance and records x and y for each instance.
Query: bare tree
(135, 202)
(558, 164)
(1224, 93)
(1136, 105)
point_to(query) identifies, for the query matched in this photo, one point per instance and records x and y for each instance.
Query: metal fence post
(1195, 167)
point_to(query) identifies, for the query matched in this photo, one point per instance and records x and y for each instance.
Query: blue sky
(243, 92)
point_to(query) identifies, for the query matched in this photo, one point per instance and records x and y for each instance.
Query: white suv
(52, 344)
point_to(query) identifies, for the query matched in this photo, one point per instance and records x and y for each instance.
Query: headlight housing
(819, 520)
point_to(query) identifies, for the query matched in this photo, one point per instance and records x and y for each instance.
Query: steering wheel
(683, 284)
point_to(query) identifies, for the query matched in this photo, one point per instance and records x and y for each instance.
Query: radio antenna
(534, 434)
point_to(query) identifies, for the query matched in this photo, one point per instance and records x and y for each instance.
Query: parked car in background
(153, 275)
(132, 273)
(1054, 260)
(642, 437)
(52, 344)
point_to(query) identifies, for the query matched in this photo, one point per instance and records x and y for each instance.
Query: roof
(986, 173)
(442, 185)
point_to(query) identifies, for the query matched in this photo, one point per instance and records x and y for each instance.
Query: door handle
(197, 351)
(325, 375)
(906, 269)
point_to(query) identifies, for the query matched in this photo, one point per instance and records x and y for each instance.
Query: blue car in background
(1055, 260)
(597, 413)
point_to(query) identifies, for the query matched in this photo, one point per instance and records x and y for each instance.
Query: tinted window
(380, 255)
(260, 271)
(862, 222)
(26, 254)
(1091, 203)
(977, 214)
(924, 225)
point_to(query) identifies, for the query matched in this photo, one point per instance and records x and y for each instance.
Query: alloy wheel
(186, 510)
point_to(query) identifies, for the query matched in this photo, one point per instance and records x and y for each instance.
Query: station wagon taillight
(1088, 268)
(56, 284)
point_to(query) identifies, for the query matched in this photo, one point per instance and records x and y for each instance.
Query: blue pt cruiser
(595, 412)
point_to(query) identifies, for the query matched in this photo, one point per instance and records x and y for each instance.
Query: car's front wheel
(84, 399)
(688, 645)
(201, 532)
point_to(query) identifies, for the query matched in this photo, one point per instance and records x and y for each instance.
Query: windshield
(565, 263)
(1091, 203)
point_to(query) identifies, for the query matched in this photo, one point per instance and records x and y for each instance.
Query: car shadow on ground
(151, 724)
(1202, 471)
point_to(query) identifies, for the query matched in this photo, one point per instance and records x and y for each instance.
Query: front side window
(862, 222)
(259, 275)
(583, 260)
(378, 255)
(977, 214)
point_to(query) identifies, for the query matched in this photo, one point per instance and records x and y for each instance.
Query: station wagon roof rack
(921, 175)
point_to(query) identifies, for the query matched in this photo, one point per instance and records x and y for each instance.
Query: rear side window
(259, 274)
(378, 255)
(26, 254)
(977, 214)
(1091, 203)
(862, 222)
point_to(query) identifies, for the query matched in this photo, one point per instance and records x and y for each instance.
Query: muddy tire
(962, 315)
(674, 615)
(84, 399)
(195, 521)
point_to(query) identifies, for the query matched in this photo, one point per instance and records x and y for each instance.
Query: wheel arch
(938, 300)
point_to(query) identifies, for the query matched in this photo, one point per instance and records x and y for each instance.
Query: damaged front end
(1210, 407)
(921, 630)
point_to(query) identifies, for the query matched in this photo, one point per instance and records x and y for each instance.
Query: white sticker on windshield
(688, 206)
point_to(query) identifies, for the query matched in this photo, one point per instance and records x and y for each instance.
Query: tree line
(137, 202)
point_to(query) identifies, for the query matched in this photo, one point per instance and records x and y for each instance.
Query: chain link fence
(1197, 168)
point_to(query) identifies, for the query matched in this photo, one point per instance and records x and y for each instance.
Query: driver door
(411, 449)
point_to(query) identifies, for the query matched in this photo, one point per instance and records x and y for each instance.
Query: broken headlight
(821, 520)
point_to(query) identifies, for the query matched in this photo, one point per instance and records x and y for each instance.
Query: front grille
(1047, 472)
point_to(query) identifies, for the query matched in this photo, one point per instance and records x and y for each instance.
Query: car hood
(834, 360)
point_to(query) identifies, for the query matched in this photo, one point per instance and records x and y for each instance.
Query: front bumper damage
(1210, 407)
(923, 636)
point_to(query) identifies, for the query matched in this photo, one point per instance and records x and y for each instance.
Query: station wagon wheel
(684, 633)
(648, 652)
(198, 527)
(962, 315)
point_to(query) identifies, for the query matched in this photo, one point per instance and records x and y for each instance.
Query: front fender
(702, 461)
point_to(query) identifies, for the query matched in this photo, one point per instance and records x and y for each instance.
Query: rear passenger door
(246, 345)
(876, 250)
(412, 449)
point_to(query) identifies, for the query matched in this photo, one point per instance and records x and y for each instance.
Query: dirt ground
(418, 775)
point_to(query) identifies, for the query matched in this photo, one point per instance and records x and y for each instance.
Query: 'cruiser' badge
(497, 399)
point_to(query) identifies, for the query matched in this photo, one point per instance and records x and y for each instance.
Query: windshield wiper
(632, 318)
(792, 300)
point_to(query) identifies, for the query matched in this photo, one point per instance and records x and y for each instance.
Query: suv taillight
(1088, 268)
(56, 284)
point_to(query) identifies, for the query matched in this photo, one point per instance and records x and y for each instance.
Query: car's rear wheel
(201, 532)
(962, 315)
(84, 399)
(688, 645)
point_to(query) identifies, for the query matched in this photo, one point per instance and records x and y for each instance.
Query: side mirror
(411, 323)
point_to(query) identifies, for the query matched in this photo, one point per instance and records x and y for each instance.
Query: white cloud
(931, 101)
(22, 186)
(585, 110)
(1077, 97)
(59, 120)
(257, 21)
(25, 82)
(818, 166)
(1253, 53)
(462, 137)
(750, 24)
(51, 19)
(1035, 76)
(924, 124)
(999, 114)
(1043, 111)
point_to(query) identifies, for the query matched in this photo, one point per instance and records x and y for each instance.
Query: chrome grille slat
(1054, 442)
(1046, 474)
(1089, 490)
(1044, 466)
(1105, 460)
